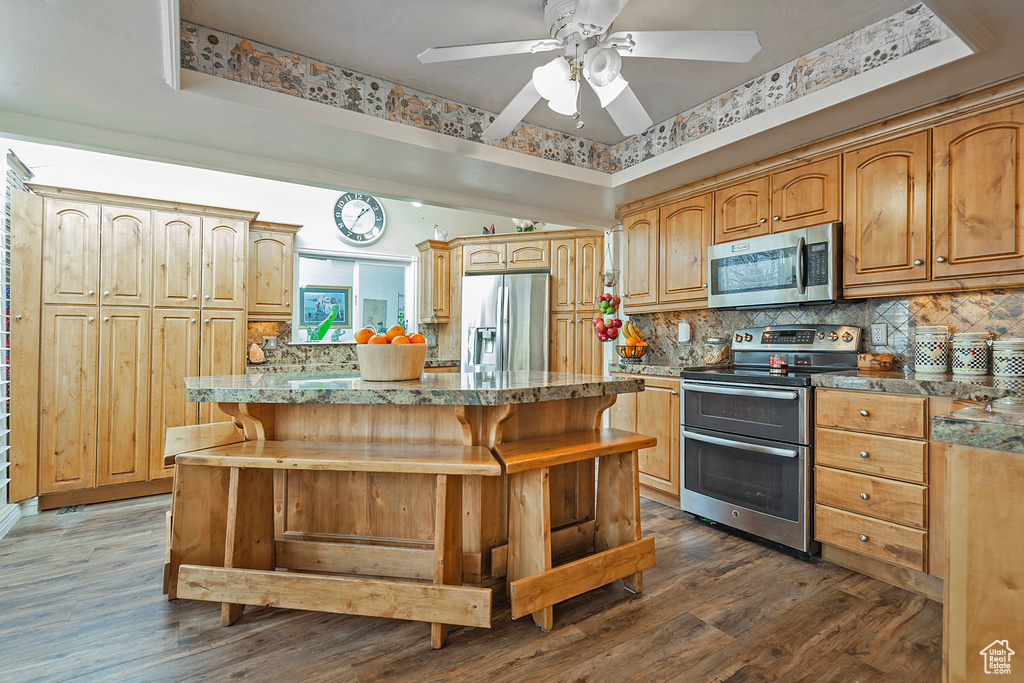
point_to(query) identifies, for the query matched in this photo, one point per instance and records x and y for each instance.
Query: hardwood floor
(80, 601)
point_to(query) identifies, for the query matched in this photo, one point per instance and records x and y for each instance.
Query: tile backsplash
(998, 310)
(287, 353)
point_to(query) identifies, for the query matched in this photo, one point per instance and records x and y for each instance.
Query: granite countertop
(995, 426)
(653, 370)
(480, 389)
(337, 366)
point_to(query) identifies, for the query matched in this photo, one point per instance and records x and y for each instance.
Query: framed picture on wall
(316, 302)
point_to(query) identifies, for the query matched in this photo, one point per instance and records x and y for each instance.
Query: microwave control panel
(817, 264)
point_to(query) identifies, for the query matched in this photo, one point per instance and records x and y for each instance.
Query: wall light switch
(270, 342)
(879, 334)
(685, 333)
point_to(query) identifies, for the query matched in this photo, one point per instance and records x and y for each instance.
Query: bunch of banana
(634, 337)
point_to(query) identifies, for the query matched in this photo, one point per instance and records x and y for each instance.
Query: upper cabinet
(483, 258)
(71, 253)
(435, 286)
(126, 250)
(223, 278)
(978, 224)
(741, 210)
(271, 247)
(177, 245)
(640, 237)
(531, 254)
(685, 231)
(575, 274)
(885, 217)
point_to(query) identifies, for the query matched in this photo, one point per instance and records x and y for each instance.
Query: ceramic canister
(970, 353)
(931, 348)
(1008, 357)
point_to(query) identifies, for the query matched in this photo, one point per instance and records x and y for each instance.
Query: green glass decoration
(322, 328)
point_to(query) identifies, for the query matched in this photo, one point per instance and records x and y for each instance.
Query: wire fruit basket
(631, 355)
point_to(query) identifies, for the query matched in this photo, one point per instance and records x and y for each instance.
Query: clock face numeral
(359, 217)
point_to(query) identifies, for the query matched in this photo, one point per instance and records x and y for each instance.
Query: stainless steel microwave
(794, 267)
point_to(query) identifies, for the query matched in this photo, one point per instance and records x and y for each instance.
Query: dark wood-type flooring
(80, 600)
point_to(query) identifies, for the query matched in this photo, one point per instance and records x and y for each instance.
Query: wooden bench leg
(529, 532)
(447, 543)
(618, 508)
(198, 511)
(249, 536)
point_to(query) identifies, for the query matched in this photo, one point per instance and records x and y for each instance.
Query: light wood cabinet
(742, 210)
(224, 273)
(588, 284)
(221, 352)
(528, 254)
(270, 263)
(575, 286)
(806, 195)
(484, 258)
(978, 226)
(175, 356)
(684, 234)
(563, 342)
(126, 248)
(655, 412)
(563, 276)
(71, 253)
(640, 235)
(886, 213)
(124, 373)
(177, 262)
(435, 282)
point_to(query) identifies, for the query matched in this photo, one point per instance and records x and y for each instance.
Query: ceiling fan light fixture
(565, 101)
(607, 93)
(552, 79)
(602, 65)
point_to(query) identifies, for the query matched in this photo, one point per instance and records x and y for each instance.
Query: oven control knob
(832, 336)
(821, 335)
(738, 337)
(747, 337)
(847, 337)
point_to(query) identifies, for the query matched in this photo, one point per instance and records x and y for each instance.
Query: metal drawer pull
(863, 454)
(756, 448)
(863, 538)
(674, 393)
(941, 259)
(918, 262)
(863, 413)
(863, 496)
(17, 317)
(753, 393)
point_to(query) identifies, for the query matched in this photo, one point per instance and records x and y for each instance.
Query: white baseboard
(9, 516)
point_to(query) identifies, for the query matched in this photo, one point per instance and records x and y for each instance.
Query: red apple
(598, 320)
(617, 323)
(600, 327)
(613, 333)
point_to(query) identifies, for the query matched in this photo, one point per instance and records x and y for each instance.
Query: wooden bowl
(391, 362)
(874, 362)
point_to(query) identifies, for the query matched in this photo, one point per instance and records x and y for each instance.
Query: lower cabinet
(175, 357)
(221, 352)
(655, 412)
(575, 347)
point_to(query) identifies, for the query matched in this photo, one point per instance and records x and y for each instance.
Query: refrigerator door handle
(505, 332)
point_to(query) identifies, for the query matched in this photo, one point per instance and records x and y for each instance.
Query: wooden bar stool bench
(619, 550)
(246, 573)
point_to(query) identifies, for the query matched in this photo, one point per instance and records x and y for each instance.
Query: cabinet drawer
(894, 501)
(871, 412)
(883, 456)
(885, 541)
(532, 254)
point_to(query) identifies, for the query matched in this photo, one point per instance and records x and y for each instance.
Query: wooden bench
(619, 550)
(243, 572)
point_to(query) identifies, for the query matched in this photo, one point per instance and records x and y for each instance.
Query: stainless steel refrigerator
(505, 322)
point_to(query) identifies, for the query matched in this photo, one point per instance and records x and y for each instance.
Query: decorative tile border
(225, 55)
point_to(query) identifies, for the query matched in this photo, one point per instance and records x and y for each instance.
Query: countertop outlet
(879, 334)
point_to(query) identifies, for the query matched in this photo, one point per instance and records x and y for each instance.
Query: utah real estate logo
(997, 657)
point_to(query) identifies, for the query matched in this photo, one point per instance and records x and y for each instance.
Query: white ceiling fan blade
(519, 107)
(627, 112)
(711, 46)
(608, 93)
(598, 12)
(512, 47)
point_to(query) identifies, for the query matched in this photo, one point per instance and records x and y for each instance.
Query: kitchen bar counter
(982, 427)
(337, 366)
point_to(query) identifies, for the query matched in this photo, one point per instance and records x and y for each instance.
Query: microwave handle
(801, 276)
(729, 443)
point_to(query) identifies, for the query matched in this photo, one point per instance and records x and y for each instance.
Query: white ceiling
(90, 75)
(383, 38)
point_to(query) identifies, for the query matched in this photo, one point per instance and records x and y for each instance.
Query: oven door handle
(736, 391)
(801, 276)
(756, 448)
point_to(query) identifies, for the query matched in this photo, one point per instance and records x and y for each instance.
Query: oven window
(763, 483)
(761, 271)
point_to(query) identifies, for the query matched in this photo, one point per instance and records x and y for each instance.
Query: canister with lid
(931, 348)
(1008, 357)
(970, 353)
(716, 351)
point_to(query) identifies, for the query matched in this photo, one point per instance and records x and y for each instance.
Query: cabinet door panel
(177, 249)
(641, 233)
(270, 272)
(71, 253)
(123, 432)
(657, 414)
(221, 352)
(622, 414)
(442, 286)
(588, 285)
(979, 195)
(589, 349)
(175, 356)
(741, 210)
(805, 196)
(484, 257)
(886, 219)
(685, 231)
(126, 247)
(563, 275)
(563, 343)
(223, 279)
(68, 402)
(530, 254)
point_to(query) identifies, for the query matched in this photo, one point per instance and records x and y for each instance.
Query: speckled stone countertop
(964, 387)
(983, 427)
(336, 366)
(441, 388)
(653, 370)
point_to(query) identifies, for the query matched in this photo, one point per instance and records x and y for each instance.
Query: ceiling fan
(579, 28)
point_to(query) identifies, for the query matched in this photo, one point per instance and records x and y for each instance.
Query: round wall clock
(359, 217)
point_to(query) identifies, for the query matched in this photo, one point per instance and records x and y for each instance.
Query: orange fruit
(363, 335)
(417, 338)
(395, 331)
(400, 339)
(378, 339)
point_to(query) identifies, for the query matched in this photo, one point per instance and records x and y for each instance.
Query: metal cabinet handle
(195, 296)
(193, 321)
(670, 391)
(705, 285)
(106, 293)
(106, 320)
(863, 538)
(206, 322)
(918, 262)
(579, 302)
(775, 218)
(863, 413)
(863, 454)
(91, 318)
(763, 220)
(207, 296)
(941, 259)
(17, 317)
(91, 292)
(287, 303)
(863, 496)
